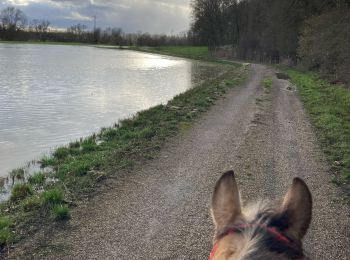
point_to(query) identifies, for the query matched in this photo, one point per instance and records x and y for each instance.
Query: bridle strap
(272, 230)
(213, 251)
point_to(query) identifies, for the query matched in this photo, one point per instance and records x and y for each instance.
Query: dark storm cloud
(154, 16)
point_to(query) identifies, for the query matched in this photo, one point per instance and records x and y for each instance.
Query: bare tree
(207, 15)
(77, 29)
(40, 27)
(12, 20)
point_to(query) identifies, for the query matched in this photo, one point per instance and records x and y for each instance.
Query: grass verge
(267, 83)
(329, 109)
(74, 171)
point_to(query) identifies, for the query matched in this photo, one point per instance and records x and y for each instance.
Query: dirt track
(161, 211)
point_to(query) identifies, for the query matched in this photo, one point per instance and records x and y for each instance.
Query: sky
(153, 16)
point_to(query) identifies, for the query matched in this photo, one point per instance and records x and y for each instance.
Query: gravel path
(161, 211)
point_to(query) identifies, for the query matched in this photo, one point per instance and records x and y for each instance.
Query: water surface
(52, 94)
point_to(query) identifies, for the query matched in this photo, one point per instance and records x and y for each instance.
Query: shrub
(324, 44)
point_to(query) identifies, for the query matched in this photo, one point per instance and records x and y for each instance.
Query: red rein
(271, 230)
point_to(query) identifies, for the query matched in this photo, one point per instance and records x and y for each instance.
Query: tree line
(15, 26)
(312, 33)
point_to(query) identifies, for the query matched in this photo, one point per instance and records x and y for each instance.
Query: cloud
(22, 2)
(154, 16)
(75, 16)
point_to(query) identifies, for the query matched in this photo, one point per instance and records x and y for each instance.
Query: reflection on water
(50, 95)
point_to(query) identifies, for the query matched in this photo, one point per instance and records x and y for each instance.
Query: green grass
(4, 222)
(46, 161)
(267, 83)
(32, 203)
(329, 109)
(37, 178)
(21, 191)
(77, 169)
(61, 153)
(53, 196)
(60, 212)
(5, 230)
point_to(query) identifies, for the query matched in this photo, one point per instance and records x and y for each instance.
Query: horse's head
(259, 231)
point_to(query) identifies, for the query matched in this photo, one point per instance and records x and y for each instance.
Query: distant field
(195, 52)
(190, 52)
(329, 108)
(198, 53)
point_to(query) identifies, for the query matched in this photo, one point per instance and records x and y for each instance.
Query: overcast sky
(153, 16)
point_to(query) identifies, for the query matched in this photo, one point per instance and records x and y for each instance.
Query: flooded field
(51, 94)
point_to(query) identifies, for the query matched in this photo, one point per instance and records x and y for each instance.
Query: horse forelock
(262, 245)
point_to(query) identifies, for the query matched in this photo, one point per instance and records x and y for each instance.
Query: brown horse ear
(297, 206)
(225, 201)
